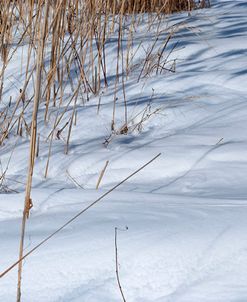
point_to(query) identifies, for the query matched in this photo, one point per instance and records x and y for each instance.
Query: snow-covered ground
(186, 213)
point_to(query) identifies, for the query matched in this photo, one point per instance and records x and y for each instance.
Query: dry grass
(147, 6)
(77, 36)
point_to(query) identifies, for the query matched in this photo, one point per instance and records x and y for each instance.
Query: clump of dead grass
(146, 6)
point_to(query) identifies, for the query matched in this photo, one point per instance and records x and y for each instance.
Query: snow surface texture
(186, 213)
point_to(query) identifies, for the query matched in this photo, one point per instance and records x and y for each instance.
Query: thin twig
(116, 263)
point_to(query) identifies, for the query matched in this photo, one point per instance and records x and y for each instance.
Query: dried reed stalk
(102, 174)
(28, 201)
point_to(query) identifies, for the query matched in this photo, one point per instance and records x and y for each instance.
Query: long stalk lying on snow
(77, 215)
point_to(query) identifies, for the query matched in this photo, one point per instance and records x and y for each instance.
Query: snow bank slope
(186, 213)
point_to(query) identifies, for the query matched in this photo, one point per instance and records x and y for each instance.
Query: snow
(186, 213)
